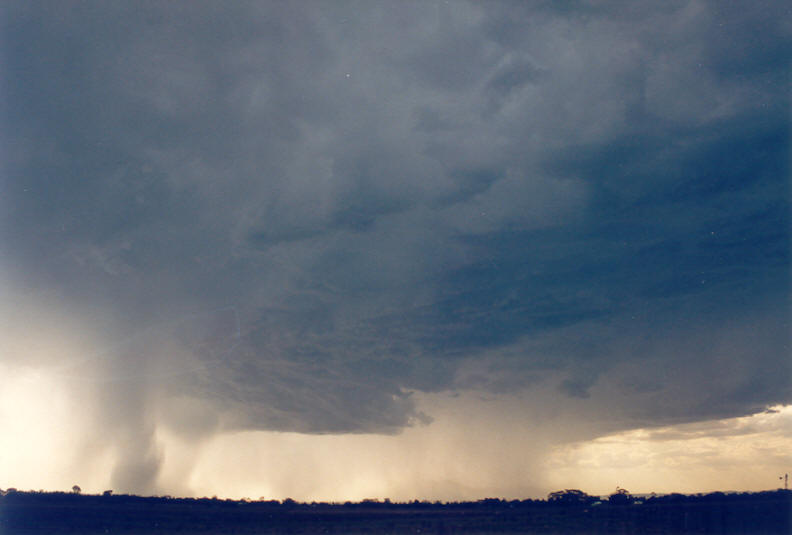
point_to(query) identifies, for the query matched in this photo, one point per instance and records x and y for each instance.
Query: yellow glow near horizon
(451, 461)
(475, 448)
(747, 453)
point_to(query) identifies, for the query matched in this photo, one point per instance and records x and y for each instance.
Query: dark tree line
(565, 511)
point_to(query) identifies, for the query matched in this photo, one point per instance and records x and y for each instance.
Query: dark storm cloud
(387, 193)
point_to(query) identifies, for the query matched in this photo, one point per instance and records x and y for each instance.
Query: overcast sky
(399, 248)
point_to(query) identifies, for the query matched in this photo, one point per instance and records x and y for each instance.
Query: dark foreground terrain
(565, 512)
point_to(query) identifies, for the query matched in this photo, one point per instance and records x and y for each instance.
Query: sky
(435, 250)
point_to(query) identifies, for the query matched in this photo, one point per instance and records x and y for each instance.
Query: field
(57, 513)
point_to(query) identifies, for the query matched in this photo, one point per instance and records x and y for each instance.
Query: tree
(620, 497)
(570, 497)
(76, 489)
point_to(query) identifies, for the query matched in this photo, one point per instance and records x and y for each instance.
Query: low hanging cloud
(297, 217)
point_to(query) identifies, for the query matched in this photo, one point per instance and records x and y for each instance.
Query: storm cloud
(300, 214)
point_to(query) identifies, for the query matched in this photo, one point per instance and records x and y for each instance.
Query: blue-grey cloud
(387, 195)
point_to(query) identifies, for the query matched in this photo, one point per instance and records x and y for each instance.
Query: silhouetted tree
(570, 497)
(76, 489)
(620, 497)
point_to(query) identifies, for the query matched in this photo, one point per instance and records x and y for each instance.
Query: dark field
(57, 513)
